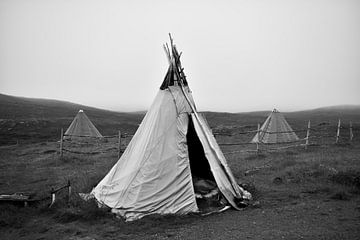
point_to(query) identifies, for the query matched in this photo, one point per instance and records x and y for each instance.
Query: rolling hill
(32, 120)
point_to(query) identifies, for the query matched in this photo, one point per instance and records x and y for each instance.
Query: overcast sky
(238, 55)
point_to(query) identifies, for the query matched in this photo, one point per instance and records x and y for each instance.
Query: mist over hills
(32, 119)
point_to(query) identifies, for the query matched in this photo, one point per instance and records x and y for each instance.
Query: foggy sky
(238, 55)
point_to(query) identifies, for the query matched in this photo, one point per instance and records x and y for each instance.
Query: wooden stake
(53, 197)
(69, 193)
(61, 142)
(307, 135)
(119, 147)
(351, 132)
(338, 131)
(258, 140)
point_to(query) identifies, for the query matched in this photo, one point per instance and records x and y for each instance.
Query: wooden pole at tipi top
(351, 132)
(338, 131)
(307, 135)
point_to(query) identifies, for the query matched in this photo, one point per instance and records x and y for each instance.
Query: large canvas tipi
(275, 130)
(172, 146)
(81, 126)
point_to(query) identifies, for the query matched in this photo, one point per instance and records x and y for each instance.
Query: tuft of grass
(85, 182)
(80, 210)
(348, 178)
(341, 195)
(319, 189)
(307, 173)
(286, 163)
(291, 153)
(255, 156)
(12, 216)
(68, 159)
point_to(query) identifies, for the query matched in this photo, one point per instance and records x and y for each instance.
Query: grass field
(298, 193)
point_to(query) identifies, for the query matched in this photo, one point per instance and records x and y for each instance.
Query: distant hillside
(339, 108)
(298, 120)
(26, 108)
(33, 120)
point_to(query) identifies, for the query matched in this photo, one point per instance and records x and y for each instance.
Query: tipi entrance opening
(206, 191)
(199, 165)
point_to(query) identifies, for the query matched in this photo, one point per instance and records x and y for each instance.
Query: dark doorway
(199, 165)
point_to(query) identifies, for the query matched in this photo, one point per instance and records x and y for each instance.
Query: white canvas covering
(153, 176)
(81, 126)
(275, 130)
